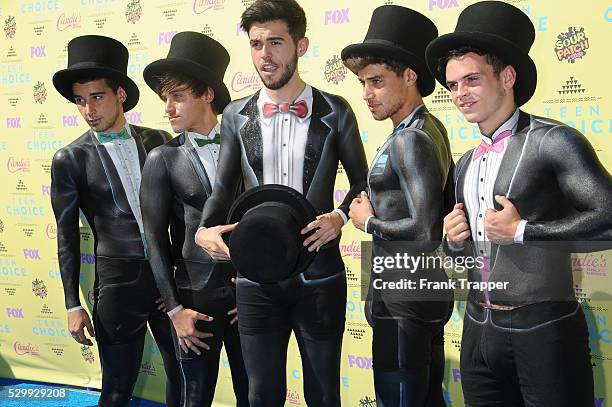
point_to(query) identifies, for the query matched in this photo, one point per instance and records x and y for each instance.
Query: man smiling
(532, 192)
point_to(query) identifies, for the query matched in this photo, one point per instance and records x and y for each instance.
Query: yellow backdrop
(571, 51)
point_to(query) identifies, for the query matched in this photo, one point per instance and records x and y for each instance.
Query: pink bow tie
(299, 108)
(496, 147)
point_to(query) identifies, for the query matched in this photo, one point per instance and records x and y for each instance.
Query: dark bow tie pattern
(201, 142)
(299, 108)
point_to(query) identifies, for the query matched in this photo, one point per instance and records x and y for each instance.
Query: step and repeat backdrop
(572, 52)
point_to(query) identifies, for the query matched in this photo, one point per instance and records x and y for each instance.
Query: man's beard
(388, 111)
(285, 77)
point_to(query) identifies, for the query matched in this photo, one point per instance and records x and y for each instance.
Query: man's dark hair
(289, 11)
(111, 83)
(357, 62)
(168, 81)
(496, 62)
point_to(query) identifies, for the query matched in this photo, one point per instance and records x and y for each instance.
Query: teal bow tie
(201, 142)
(106, 137)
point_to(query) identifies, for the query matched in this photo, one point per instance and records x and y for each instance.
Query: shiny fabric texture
(552, 175)
(333, 137)
(173, 191)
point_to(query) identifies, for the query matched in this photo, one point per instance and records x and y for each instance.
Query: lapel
(461, 168)
(191, 154)
(142, 153)
(511, 158)
(321, 126)
(247, 122)
(418, 115)
(112, 176)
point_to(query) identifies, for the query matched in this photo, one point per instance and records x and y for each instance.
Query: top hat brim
(526, 73)
(384, 49)
(190, 68)
(282, 194)
(64, 79)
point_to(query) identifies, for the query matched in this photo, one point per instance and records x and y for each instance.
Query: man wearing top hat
(99, 174)
(292, 134)
(406, 202)
(529, 194)
(176, 181)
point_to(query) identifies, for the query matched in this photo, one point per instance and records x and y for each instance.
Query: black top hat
(496, 27)
(96, 56)
(198, 56)
(267, 246)
(401, 34)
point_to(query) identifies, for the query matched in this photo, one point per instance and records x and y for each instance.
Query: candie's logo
(351, 250)
(14, 165)
(200, 6)
(590, 263)
(243, 81)
(64, 22)
(133, 11)
(39, 288)
(51, 231)
(571, 45)
(40, 92)
(10, 27)
(25, 349)
(335, 71)
(88, 356)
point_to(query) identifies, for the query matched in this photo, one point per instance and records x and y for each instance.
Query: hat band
(91, 64)
(382, 42)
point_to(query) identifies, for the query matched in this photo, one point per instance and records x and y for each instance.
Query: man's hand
(188, 336)
(211, 240)
(161, 305)
(360, 210)
(77, 321)
(456, 226)
(327, 227)
(500, 226)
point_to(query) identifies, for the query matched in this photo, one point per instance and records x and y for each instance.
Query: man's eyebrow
(463, 77)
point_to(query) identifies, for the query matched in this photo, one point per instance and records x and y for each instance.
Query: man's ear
(209, 95)
(410, 77)
(302, 46)
(508, 77)
(121, 94)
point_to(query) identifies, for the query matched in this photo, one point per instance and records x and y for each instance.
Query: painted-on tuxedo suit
(84, 177)
(173, 191)
(410, 188)
(333, 136)
(553, 177)
(312, 304)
